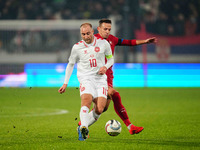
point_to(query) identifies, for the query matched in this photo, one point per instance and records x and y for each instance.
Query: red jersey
(113, 40)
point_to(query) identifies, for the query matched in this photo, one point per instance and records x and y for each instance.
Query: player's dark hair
(104, 20)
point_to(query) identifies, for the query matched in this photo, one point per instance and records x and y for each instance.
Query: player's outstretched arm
(133, 42)
(147, 41)
(62, 88)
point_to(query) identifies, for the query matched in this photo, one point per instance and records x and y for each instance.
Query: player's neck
(101, 35)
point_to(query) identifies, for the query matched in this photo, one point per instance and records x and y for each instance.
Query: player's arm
(110, 60)
(68, 71)
(147, 41)
(133, 42)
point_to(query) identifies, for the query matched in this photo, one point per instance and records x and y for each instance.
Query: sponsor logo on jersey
(97, 49)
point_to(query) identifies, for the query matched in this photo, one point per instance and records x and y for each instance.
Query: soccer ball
(113, 127)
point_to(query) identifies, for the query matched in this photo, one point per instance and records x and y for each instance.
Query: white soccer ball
(113, 127)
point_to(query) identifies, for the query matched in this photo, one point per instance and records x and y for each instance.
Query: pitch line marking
(57, 112)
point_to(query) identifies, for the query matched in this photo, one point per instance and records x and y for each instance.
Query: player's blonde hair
(86, 24)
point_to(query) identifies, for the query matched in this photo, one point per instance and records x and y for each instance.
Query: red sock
(120, 109)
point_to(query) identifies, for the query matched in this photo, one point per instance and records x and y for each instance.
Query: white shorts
(97, 88)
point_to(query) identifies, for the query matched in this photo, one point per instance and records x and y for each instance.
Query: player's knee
(99, 111)
(111, 91)
(107, 104)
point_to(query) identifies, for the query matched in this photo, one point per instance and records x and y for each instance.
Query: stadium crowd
(164, 17)
(160, 16)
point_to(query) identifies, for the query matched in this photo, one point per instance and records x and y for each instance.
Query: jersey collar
(98, 35)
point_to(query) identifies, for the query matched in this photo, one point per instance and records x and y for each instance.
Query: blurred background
(36, 37)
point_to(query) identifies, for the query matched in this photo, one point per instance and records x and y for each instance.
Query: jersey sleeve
(124, 42)
(109, 56)
(68, 72)
(108, 51)
(73, 55)
(115, 39)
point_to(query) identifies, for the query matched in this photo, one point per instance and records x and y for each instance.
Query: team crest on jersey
(96, 49)
(85, 51)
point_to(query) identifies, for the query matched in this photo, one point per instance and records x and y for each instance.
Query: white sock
(84, 116)
(93, 117)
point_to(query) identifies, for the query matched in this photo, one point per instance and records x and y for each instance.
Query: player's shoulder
(98, 36)
(79, 44)
(112, 37)
(101, 40)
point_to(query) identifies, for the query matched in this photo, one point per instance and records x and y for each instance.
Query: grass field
(36, 118)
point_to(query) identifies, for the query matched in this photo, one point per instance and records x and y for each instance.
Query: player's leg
(107, 105)
(110, 85)
(99, 101)
(118, 106)
(102, 96)
(86, 100)
(121, 111)
(87, 94)
(93, 116)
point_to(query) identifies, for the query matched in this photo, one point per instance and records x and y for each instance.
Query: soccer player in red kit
(104, 29)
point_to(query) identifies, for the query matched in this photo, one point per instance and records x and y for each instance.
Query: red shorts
(110, 77)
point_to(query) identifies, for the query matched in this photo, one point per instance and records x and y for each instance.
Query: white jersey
(90, 57)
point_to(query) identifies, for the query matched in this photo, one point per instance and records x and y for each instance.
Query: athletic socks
(87, 119)
(120, 109)
(84, 116)
(93, 117)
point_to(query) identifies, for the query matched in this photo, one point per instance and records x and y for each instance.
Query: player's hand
(151, 40)
(62, 89)
(102, 70)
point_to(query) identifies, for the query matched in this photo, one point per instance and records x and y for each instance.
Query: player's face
(87, 34)
(104, 30)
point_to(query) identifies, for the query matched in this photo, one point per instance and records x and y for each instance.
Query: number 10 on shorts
(105, 91)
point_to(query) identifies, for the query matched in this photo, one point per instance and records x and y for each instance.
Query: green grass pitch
(30, 119)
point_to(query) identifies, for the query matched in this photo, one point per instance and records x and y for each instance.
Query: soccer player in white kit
(89, 54)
